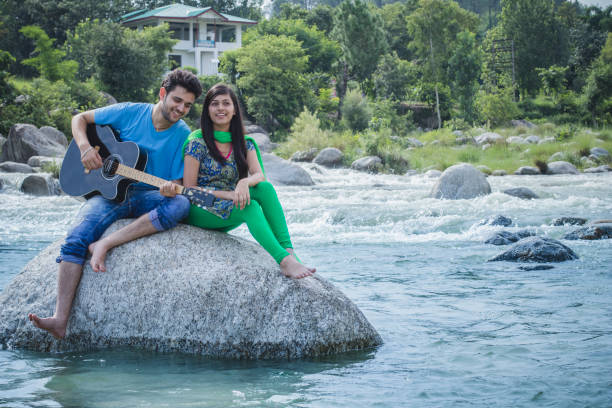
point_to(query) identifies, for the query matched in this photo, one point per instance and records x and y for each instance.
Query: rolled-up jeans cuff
(70, 258)
(154, 217)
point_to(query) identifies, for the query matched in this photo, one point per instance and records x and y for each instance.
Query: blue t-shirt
(134, 122)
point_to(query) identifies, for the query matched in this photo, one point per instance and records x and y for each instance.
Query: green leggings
(264, 218)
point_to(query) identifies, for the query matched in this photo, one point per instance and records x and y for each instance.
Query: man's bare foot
(292, 252)
(98, 251)
(50, 324)
(293, 269)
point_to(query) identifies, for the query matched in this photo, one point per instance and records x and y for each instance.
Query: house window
(175, 61)
(179, 31)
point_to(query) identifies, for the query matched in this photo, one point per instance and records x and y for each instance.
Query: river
(457, 330)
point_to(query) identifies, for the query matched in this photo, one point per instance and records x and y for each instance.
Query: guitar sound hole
(110, 166)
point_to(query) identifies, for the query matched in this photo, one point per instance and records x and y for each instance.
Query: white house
(203, 33)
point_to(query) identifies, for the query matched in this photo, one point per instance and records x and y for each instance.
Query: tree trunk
(342, 85)
(433, 71)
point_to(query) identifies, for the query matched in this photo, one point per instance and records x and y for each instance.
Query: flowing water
(457, 330)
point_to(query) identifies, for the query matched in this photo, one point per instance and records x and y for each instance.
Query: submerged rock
(370, 164)
(42, 184)
(461, 181)
(557, 222)
(507, 237)
(497, 220)
(591, 232)
(521, 192)
(187, 290)
(535, 267)
(537, 249)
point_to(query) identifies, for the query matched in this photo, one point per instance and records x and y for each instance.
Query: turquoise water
(457, 331)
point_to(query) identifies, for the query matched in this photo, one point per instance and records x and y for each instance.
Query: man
(156, 129)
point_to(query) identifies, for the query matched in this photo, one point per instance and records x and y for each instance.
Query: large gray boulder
(283, 172)
(263, 142)
(55, 135)
(329, 157)
(561, 167)
(371, 164)
(461, 181)
(12, 167)
(537, 249)
(187, 290)
(252, 128)
(25, 141)
(2, 141)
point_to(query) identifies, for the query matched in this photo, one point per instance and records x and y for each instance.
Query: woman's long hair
(236, 129)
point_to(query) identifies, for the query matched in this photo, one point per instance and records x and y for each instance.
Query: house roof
(180, 12)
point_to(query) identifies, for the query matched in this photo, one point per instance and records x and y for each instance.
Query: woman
(219, 160)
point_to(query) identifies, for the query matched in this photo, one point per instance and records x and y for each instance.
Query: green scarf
(223, 137)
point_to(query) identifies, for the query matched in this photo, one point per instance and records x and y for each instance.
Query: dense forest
(376, 69)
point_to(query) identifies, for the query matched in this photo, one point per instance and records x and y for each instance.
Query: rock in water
(591, 232)
(537, 249)
(461, 181)
(187, 290)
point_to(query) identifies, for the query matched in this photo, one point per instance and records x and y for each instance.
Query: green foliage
(598, 90)
(51, 167)
(385, 116)
(191, 69)
(321, 51)
(271, 79)
(426, 92)
(527, 20)
(327, 107)
(48, 60)
(359, 30)
(356, 112)
(394, 19)
(553, 79)
(497, 108)
(6, 89)
(128, 64)
(464, 71)
(322, 17)
(393, 77)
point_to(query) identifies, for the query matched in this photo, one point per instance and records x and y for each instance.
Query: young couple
(215, 158)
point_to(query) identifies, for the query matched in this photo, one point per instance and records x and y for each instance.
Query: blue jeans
(98, 213)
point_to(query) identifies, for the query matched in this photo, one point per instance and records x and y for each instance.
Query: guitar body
(76, 182)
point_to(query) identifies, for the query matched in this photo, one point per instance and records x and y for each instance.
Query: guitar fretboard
(143, 177)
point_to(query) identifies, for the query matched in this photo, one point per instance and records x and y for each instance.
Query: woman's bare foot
(50, 324)
(292, 252)
(293, 269)
(98, 251)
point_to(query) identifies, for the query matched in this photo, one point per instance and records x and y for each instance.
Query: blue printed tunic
(216, 176)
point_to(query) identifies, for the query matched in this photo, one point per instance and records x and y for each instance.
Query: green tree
(464, 70)
(322, 17)
(524, 21)
(434, 27)
(6, 90)
(128, 64)
(394, 19)
(356, 112)
(48, 61)
(598, 89)
(271, 79)
(393, 76)
(359, 31)
(498, 107)
(553, 79)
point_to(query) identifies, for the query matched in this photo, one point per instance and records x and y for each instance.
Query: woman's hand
(168, 189)
(242, 197)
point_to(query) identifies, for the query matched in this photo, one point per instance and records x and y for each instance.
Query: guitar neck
(143, 177)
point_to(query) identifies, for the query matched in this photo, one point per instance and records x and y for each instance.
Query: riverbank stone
(521, 192)
(263, 142)
(499, 173)
(600, 153)
(533, 139)
(304, 155)
(488, 137)
(187, 290)
(461, 181)
(252, 128)
(537, 249)
(591, 232)
(25, 141)
(283, 172)
(329, 157)
(561, 167)
(527, 171)
(40, 161)
(515, 140)
(599, 169)
(13, 167)
(433, 173)
(371, 164)
(55, 135)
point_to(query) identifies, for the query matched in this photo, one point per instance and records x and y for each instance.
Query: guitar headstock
(199, 197)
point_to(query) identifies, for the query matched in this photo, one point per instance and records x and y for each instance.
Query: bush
(497, 108)
(356, 113)
(385, 116)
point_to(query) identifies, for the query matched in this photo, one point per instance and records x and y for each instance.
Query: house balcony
(205, 43)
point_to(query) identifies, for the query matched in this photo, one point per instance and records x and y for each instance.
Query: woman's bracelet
(90, 148)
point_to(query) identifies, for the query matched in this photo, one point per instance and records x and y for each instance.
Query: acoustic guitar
(123, 164)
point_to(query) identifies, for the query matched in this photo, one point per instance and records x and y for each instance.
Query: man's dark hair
(186, 79)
